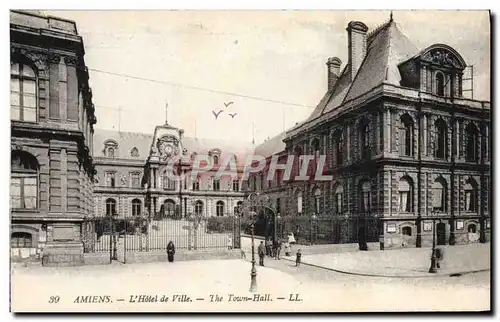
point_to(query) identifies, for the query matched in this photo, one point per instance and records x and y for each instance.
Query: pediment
(443, 55)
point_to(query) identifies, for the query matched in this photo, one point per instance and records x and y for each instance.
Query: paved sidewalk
(408, 262)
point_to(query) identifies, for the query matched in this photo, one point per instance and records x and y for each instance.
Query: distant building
(403, 144)
(132, 176)
(52, 119)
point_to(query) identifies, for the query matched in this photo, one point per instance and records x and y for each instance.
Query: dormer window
(134, 152)
(215, 156)
(216, 159)
(110, 149)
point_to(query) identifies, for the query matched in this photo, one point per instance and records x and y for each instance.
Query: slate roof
(387, 47)
(128, 140)
(271, 146)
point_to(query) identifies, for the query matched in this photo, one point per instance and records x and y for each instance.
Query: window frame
(23, 237)
(219, 208)
(136, 203)
(22, 79)
(28, 169)
(111, 205)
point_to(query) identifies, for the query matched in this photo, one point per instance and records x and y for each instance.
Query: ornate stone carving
(38, 58)
(71, 60)
(442, 57)
(54, 58)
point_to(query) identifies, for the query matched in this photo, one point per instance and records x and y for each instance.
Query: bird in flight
(227, 104)
(233, 115)
(217, 114)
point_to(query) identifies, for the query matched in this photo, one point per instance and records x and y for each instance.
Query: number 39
(54, 299)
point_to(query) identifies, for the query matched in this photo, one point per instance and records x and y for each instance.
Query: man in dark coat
(170, 251)
(262, 252)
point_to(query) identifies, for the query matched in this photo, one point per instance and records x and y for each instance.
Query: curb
(393, 276)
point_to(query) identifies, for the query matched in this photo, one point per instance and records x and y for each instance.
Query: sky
(272, 55)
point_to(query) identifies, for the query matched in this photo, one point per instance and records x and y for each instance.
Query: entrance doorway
(441, 234)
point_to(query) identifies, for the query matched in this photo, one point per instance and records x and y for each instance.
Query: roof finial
(166, 113)
(390, 18)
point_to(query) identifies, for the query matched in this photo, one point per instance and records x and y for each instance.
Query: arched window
(441, 139)
(134, 152)
(198, 207)
(365, 196)
(299, 202)
(110, 147)
(405, 195)
(439, 195)
(406, 231)
(297, 159)
(406, 136)
(136, 207)
(216, 159)
(364, 138)
(169, 208)
(472, 228)
(111, 207)
(471, 138)
(338, 141)
(21, 240)
(316, 147)
(337, 199)
(23, 93)
(471, 195)
(220, 208)
(317, 201)
(111, 152)
(23, 181)
(439, 84)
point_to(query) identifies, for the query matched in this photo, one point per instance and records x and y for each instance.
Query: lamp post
(433, 268)
(253, 272)
(313, 223)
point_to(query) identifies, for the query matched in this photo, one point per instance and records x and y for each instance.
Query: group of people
(273, 249)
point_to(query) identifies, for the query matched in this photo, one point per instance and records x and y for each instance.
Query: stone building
(404, 147)
(52, 119)
(132, 176)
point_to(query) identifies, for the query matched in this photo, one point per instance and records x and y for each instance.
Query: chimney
(333, 64)
(356, 35)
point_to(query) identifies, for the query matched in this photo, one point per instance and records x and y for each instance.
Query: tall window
(337, 199)
(471, 195)
(471, 143)
(23, 181)
(405, 195)
(167, 182)
(220, 208)
(21, 240)
(299, 202)
(316, 148)
(169, 207)
(110, 179)
(136, 207)
(440, 84)
(198, 207)
(135, 180)
(254, 179)
(196, 184)
(406, 136)
(317, 201)
(338, 142)
(439, 195)
(22, 93)
(236, 185)
(365, 196)
(111, 207)
(364, 139)
(216, 184)
(441, 138)
(216, 159)
(297, 160)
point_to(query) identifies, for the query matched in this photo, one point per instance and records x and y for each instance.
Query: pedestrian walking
(439, 256)
(262, 252)
(298, 258)
(269, 247)
(297, 234)
(277, 249)
(288, 251)
(170, 251)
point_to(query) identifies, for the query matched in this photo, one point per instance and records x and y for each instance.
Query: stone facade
(403, 154)
(52, 118)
